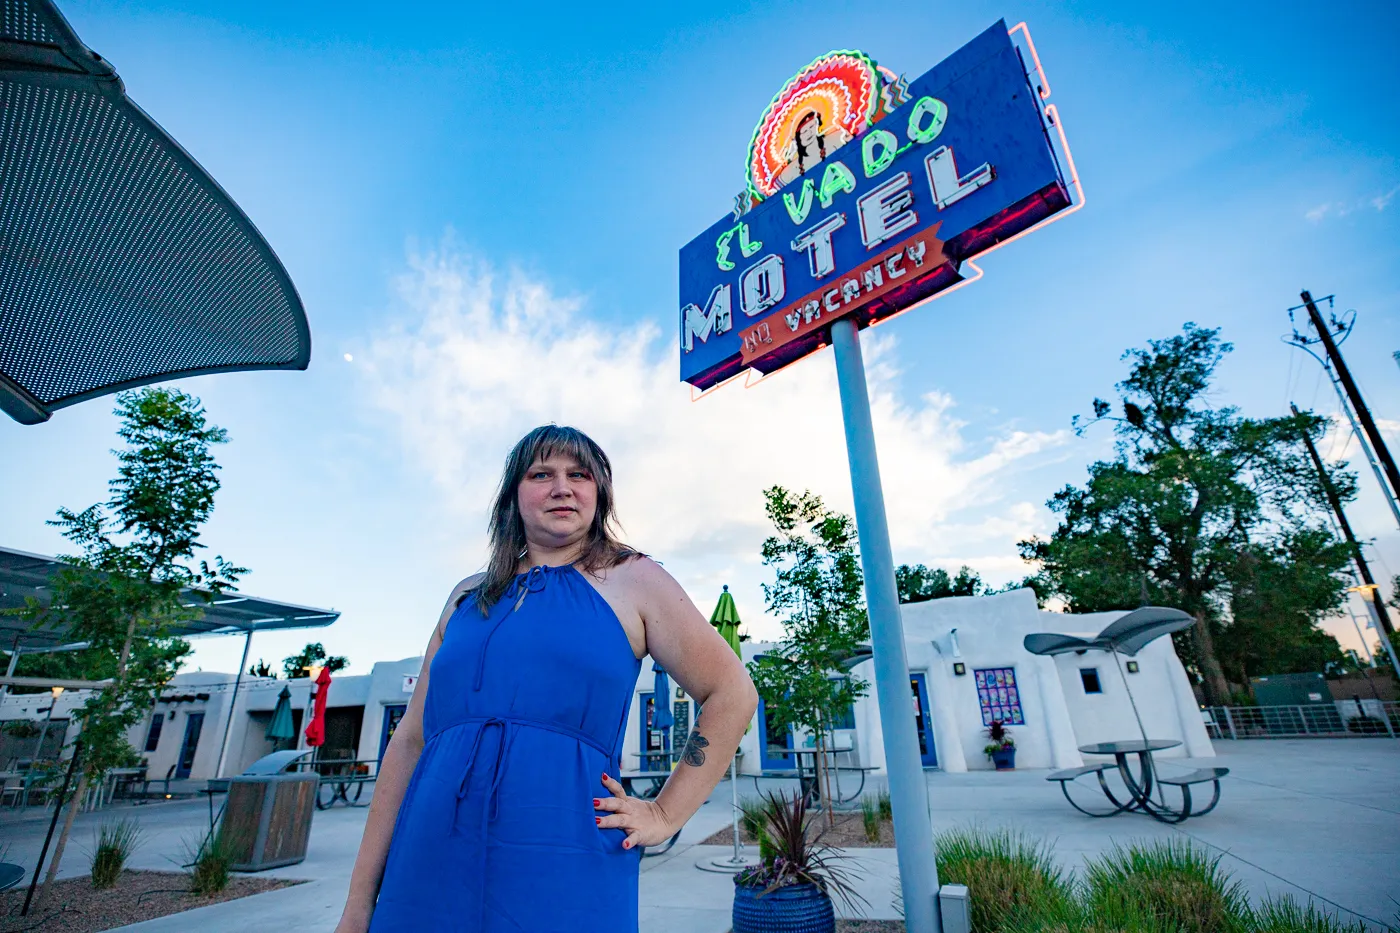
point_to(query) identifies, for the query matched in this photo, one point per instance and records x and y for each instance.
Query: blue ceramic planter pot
(1004, 759)
(796, 908)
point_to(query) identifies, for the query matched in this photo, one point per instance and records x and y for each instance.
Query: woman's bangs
(566, 442)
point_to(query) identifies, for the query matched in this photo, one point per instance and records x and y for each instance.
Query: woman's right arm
(400, 758)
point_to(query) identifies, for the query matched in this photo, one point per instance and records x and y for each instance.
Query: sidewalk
(1316, 818)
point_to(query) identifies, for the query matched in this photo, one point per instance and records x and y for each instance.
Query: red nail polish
(598, 820)
(596, 803)
(627, 845)
(605, 775)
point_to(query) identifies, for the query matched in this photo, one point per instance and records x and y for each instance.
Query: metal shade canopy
(122, 262)
(1127, 635)
(23, 574)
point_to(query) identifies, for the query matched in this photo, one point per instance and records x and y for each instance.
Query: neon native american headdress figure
(825, 105)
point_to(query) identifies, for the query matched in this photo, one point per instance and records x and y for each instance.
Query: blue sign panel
(875, 221)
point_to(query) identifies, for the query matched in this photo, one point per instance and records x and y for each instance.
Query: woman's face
(558, 499)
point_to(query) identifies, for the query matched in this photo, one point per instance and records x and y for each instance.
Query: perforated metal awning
(23, 574)
(122, 262)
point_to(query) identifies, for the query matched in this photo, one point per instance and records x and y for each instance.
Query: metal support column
(918, 871)
(233, 705)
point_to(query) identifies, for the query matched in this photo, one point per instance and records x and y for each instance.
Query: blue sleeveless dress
(525, 710)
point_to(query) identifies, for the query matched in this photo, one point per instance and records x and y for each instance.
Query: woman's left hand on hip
(643, 820)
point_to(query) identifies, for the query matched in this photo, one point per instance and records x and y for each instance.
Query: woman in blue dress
(497, 807)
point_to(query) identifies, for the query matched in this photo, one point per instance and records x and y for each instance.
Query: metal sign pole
(913, 830)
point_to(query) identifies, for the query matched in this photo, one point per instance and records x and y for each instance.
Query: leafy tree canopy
(1205, 510)
(818, 594)
(313, 654)
(917, 583)
(130, 582)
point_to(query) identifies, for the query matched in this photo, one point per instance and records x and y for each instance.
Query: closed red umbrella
(316, 729)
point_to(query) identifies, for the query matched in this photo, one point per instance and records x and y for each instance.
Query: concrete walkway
(1317, 818)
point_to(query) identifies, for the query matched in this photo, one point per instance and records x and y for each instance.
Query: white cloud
(478, 357)
(1377, 202)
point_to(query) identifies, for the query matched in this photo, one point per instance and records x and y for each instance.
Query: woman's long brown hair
(602, 549)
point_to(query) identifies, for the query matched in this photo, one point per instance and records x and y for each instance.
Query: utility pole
(1358, 404)
(1361, 566)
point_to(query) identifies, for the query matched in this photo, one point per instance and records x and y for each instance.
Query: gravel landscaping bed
(75, 906)
(849, 833)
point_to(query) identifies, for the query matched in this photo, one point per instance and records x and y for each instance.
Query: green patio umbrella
(725, 619)
(281, 728)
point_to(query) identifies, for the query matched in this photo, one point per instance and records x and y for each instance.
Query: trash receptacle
(267, 817)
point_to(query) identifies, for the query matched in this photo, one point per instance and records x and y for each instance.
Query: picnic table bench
(1139, 787)
(808, 781)
(342, 780)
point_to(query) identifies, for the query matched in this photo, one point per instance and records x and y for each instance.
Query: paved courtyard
(1317, 818)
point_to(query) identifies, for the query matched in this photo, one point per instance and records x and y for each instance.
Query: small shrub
(870, 815)
(1180, 884)
(754, 820)
(1005, 872)
(1285, 915)
(112, 846)
(886, 810)
(209, 866)
(21, 729)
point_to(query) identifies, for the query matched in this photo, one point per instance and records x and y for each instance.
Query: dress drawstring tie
(492, 802)
(532, 581)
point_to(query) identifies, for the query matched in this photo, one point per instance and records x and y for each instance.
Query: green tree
(83, 664)
(262, 669)
(313, 654)
(817, 593)
(1201, 509)
(131, 581)
(918, 583)
(1280, 590)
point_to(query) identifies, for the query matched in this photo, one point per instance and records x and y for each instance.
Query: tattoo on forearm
(694, 751)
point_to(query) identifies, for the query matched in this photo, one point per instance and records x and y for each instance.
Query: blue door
(769, 737)
(923, 724)
(392, 715)
(194, 724)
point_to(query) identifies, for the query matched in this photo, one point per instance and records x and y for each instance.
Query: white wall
(1160, 688)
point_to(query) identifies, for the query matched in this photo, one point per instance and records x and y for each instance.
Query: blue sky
(482, 207)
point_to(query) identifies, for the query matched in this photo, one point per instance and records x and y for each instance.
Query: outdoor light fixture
(1132, 667)
(314, 671)
(57, 692)
(959, 668)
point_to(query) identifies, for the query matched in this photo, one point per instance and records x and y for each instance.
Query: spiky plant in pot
(790, 891)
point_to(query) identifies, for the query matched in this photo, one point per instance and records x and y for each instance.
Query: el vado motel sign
(867, 195)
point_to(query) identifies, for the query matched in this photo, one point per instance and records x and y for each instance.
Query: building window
(999, 696)
(153, 736)
(846, 719)
(1089, 676)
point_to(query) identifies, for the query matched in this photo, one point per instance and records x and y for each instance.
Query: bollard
(955, 908)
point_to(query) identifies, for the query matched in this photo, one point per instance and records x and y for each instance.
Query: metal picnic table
(1140, 786)
(807, 778)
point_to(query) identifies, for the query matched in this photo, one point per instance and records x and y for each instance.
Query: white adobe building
(1054, 705)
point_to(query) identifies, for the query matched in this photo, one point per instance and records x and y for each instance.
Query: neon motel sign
(867, 195)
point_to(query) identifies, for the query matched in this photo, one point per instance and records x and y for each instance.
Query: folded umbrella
(281, 728)
(316, 730)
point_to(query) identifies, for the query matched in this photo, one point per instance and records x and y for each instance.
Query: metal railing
(1342, 719)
